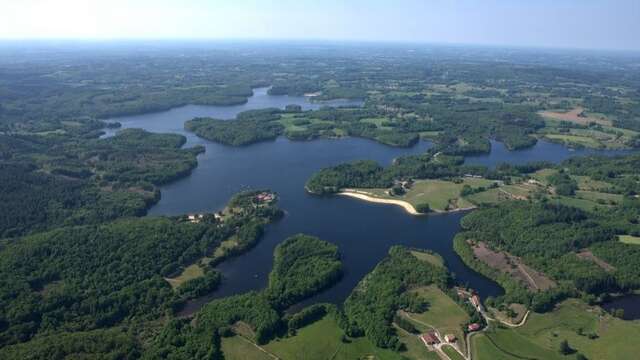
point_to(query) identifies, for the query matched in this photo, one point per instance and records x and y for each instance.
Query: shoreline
(367, 197)
(408, 207)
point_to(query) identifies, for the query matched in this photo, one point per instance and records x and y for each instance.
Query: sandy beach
(404, 204)
(366, 197)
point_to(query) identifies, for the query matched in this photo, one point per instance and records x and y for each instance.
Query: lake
(629, 303)
(364, 232)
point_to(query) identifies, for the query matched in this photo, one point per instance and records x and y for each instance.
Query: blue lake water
(364, 232)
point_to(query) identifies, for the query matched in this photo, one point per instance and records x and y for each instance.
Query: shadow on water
(364, 232)
(629, 303)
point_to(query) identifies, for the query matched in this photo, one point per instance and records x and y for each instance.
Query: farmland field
(322, 340)
(441, 195)
(588, 330)
(443, 314)
(628, 239)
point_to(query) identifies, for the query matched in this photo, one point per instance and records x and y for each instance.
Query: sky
(592, 24)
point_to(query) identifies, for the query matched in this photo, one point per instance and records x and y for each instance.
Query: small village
(434, 340)
(260, 199)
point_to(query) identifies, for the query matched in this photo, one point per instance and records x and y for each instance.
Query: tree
(423, 208)
(565, 349)
(619, 313)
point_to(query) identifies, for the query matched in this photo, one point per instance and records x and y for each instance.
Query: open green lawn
(519, 190)
(588, 184)
(190, 272)
(501, 344)
(572, 321)
(429, 134)
(444, 314)
(237, 348)
(542, 175)
(322, 340)
(576, 140)
(433, 259)
(378, 122)
(583, 204)
(452, 353)
(289, 120)
(491, 196)
(415, 347)
(628, 239)
(600, 196)
(439, 194)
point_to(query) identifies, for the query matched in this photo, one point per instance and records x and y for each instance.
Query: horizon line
(309, 41)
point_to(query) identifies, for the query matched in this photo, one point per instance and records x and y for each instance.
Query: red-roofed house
(473, 327)
(430, 338)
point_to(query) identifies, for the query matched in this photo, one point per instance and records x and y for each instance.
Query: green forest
(86, 274)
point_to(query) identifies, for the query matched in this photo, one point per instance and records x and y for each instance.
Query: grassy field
(237, 348)
(440, 195)
(506, 192)
(378, 122)
(415, 347)
(452, 353)
(288, 121)
(576, 140)
(443, 314)
(596, 196)
(519, 190)
(588, 184)
(491, 196)
(433, 259)
(583, 204)
(190, 272)
(628, 239)
(542, 175)
(577, 116)
(573, 321)
(322, 340)
(225, 246)
(508, 344)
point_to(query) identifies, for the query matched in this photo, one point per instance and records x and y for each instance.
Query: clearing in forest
(440, 195)
(576, 116)
(514, 266)
(588, 255)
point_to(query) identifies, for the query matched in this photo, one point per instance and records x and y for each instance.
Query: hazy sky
(606, 24)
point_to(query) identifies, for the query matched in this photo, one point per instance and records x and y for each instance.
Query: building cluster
(431, 338)
(195, 218)
(265, 197)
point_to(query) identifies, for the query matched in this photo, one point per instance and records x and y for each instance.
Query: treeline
(249, 127)
(112, 343)
(622, 171)
(430, 165)
(303, 265)
(371, 307)
(548, 238)
(58, 180)
(97, 276)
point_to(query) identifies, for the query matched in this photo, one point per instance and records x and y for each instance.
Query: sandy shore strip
(367, 197)
(362, 195)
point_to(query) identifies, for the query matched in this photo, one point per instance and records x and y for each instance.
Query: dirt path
(442, 343)
(259, 347)
(488, 320)
(529, 278)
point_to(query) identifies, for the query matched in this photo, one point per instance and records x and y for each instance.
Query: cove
(364, 232)
(629, 303)
(542, 151)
